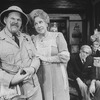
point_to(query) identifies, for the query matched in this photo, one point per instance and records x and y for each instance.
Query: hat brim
(6, 12)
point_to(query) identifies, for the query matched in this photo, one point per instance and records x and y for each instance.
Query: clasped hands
(23, 75)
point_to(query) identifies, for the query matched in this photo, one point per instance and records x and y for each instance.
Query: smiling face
(13, 22)
(40, 25)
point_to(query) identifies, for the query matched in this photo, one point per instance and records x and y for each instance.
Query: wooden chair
(97, 65)
(73, 92)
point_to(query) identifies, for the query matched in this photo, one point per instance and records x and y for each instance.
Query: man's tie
(83, 61)
(16, 39)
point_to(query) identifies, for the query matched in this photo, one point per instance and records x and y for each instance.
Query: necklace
(43, 37)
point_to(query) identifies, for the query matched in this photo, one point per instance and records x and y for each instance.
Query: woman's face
(40, 25)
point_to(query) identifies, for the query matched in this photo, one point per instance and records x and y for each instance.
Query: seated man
(82, 71)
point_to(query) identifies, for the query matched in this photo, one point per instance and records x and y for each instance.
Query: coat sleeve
(35, 60)
(5, 78)
(35, 63)
(70, 68)
(63, 54)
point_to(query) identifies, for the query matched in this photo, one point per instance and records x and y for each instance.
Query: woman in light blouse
(53, 52)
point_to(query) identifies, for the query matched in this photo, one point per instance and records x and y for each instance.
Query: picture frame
(74, 48)
(62, 25)
(75, 31)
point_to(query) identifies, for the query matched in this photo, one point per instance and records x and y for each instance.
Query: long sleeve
(35, 63)
(63, 53)
(28, 54)
(5, 78)
(70, 69)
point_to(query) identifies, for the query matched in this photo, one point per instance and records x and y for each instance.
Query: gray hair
(88, 47)
(39, 12)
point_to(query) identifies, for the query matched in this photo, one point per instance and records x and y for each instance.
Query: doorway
(60, 24)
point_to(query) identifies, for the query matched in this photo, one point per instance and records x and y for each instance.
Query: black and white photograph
(49, 49)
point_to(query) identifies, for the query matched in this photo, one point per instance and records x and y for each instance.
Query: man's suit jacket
(84, 71)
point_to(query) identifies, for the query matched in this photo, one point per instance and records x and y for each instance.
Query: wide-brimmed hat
(14, 9)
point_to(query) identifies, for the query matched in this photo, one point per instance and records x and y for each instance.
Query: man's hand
(92, 88)
(19, 77)
(80, 83)
(30, 70)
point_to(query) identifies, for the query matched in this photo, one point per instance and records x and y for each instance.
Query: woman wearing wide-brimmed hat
(18, 79)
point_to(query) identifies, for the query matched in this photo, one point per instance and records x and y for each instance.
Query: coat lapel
(79, 62)
(3, 36)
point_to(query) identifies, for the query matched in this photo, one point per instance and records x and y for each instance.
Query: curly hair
(39, 12)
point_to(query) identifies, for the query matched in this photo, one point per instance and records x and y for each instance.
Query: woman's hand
(43, 58)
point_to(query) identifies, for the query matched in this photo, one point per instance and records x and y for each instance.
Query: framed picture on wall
(75, 30)
(74, 48)
(60, 24)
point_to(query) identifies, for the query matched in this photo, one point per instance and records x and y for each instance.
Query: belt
(9, 71)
